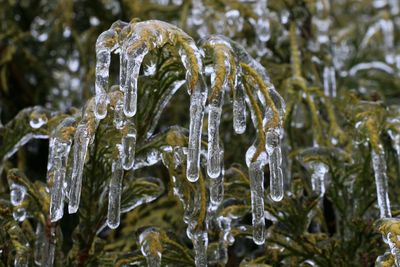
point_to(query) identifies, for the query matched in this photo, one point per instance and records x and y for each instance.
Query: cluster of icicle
(44, 248)
(231, 22)
(133, 41)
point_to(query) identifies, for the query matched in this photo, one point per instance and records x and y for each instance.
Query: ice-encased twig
(114, 192)
(381, 182)
(81, 142)
(256, 173)
(128, 144)
(62, 148)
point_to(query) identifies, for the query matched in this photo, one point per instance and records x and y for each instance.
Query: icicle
(59, 148)
(395, 143)
(81, 142)
(329, 81)
(179, 158)
(21, 260)
(197, 101)
(256, 174)
(233, 22)
(214, 151)
(262, 27)
(392, 240)
(105, 43)
(39, 244)
(114, 193)
(200, 244)
(217, 189)
(273, 148)
(119, 118)
(318, 177)
(151, 247)
(381, 181)
(134, 61)
(382, 260)
(198, 9)
(122, 69)
(394, 7)
(198, 97)
(226, 239)
(239, 109)
(388, 39)
(128, 146)
(49, 247)
(59, 169)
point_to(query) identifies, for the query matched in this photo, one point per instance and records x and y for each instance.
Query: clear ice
(80, 148)
(59, 148)
(105, 43)
(128, 144)
(134, 61)
(256, 173)
(381, 181)
(197, 102)
(273, 147)
(239, 109)
(114, 193)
